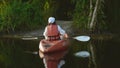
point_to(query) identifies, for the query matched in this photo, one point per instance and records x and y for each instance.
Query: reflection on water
(103, 54)
(12, 54)
(53, 60)
(53, 52)
(83, 54)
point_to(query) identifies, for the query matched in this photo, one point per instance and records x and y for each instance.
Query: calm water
(14, 53)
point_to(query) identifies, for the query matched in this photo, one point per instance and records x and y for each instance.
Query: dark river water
(17, 53)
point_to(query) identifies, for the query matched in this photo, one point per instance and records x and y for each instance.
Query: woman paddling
(53, 31)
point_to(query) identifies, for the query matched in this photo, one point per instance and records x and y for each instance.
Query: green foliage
(50, 7)
(101, 17)
(80, 17)
(29, 14)
(24, 14)
(19, 15)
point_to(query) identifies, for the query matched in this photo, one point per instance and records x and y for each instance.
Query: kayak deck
(53, 46)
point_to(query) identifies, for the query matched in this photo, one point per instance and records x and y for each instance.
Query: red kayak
(53, 46)
(52, 52)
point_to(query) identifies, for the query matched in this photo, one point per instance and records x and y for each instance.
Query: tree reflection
(6, 53)
(12, 54)
(92, 58)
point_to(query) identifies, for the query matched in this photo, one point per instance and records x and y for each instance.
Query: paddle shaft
(79, 38)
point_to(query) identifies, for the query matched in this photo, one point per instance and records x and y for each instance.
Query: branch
(94, 15)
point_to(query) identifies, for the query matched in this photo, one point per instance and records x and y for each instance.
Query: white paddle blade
(82, 38)
(29, 38)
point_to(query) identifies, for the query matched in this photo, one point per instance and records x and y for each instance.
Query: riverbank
(66, 25)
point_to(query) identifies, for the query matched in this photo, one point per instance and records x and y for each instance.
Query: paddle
(83, 54)
(82, 38)
(79, 38)
(29, 38)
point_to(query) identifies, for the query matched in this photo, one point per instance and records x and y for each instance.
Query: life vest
(52, 32)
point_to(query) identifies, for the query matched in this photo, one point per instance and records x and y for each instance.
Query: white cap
(51, 20)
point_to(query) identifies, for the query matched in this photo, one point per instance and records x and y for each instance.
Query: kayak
(52, 52)
(46, 46)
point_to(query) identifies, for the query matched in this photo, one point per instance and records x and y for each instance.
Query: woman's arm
(45, 32)
(62, 32)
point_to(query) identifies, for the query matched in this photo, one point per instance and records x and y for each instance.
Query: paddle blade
(82, 38)
(29, 38)
(83, 54)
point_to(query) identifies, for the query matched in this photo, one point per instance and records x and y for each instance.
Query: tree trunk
(90, 14)
(92, 23)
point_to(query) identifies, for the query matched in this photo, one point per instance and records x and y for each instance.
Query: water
(16, 53)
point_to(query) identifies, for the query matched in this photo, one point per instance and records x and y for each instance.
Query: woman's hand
(66, 36)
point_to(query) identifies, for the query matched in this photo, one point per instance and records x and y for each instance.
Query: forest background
(87, 15)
